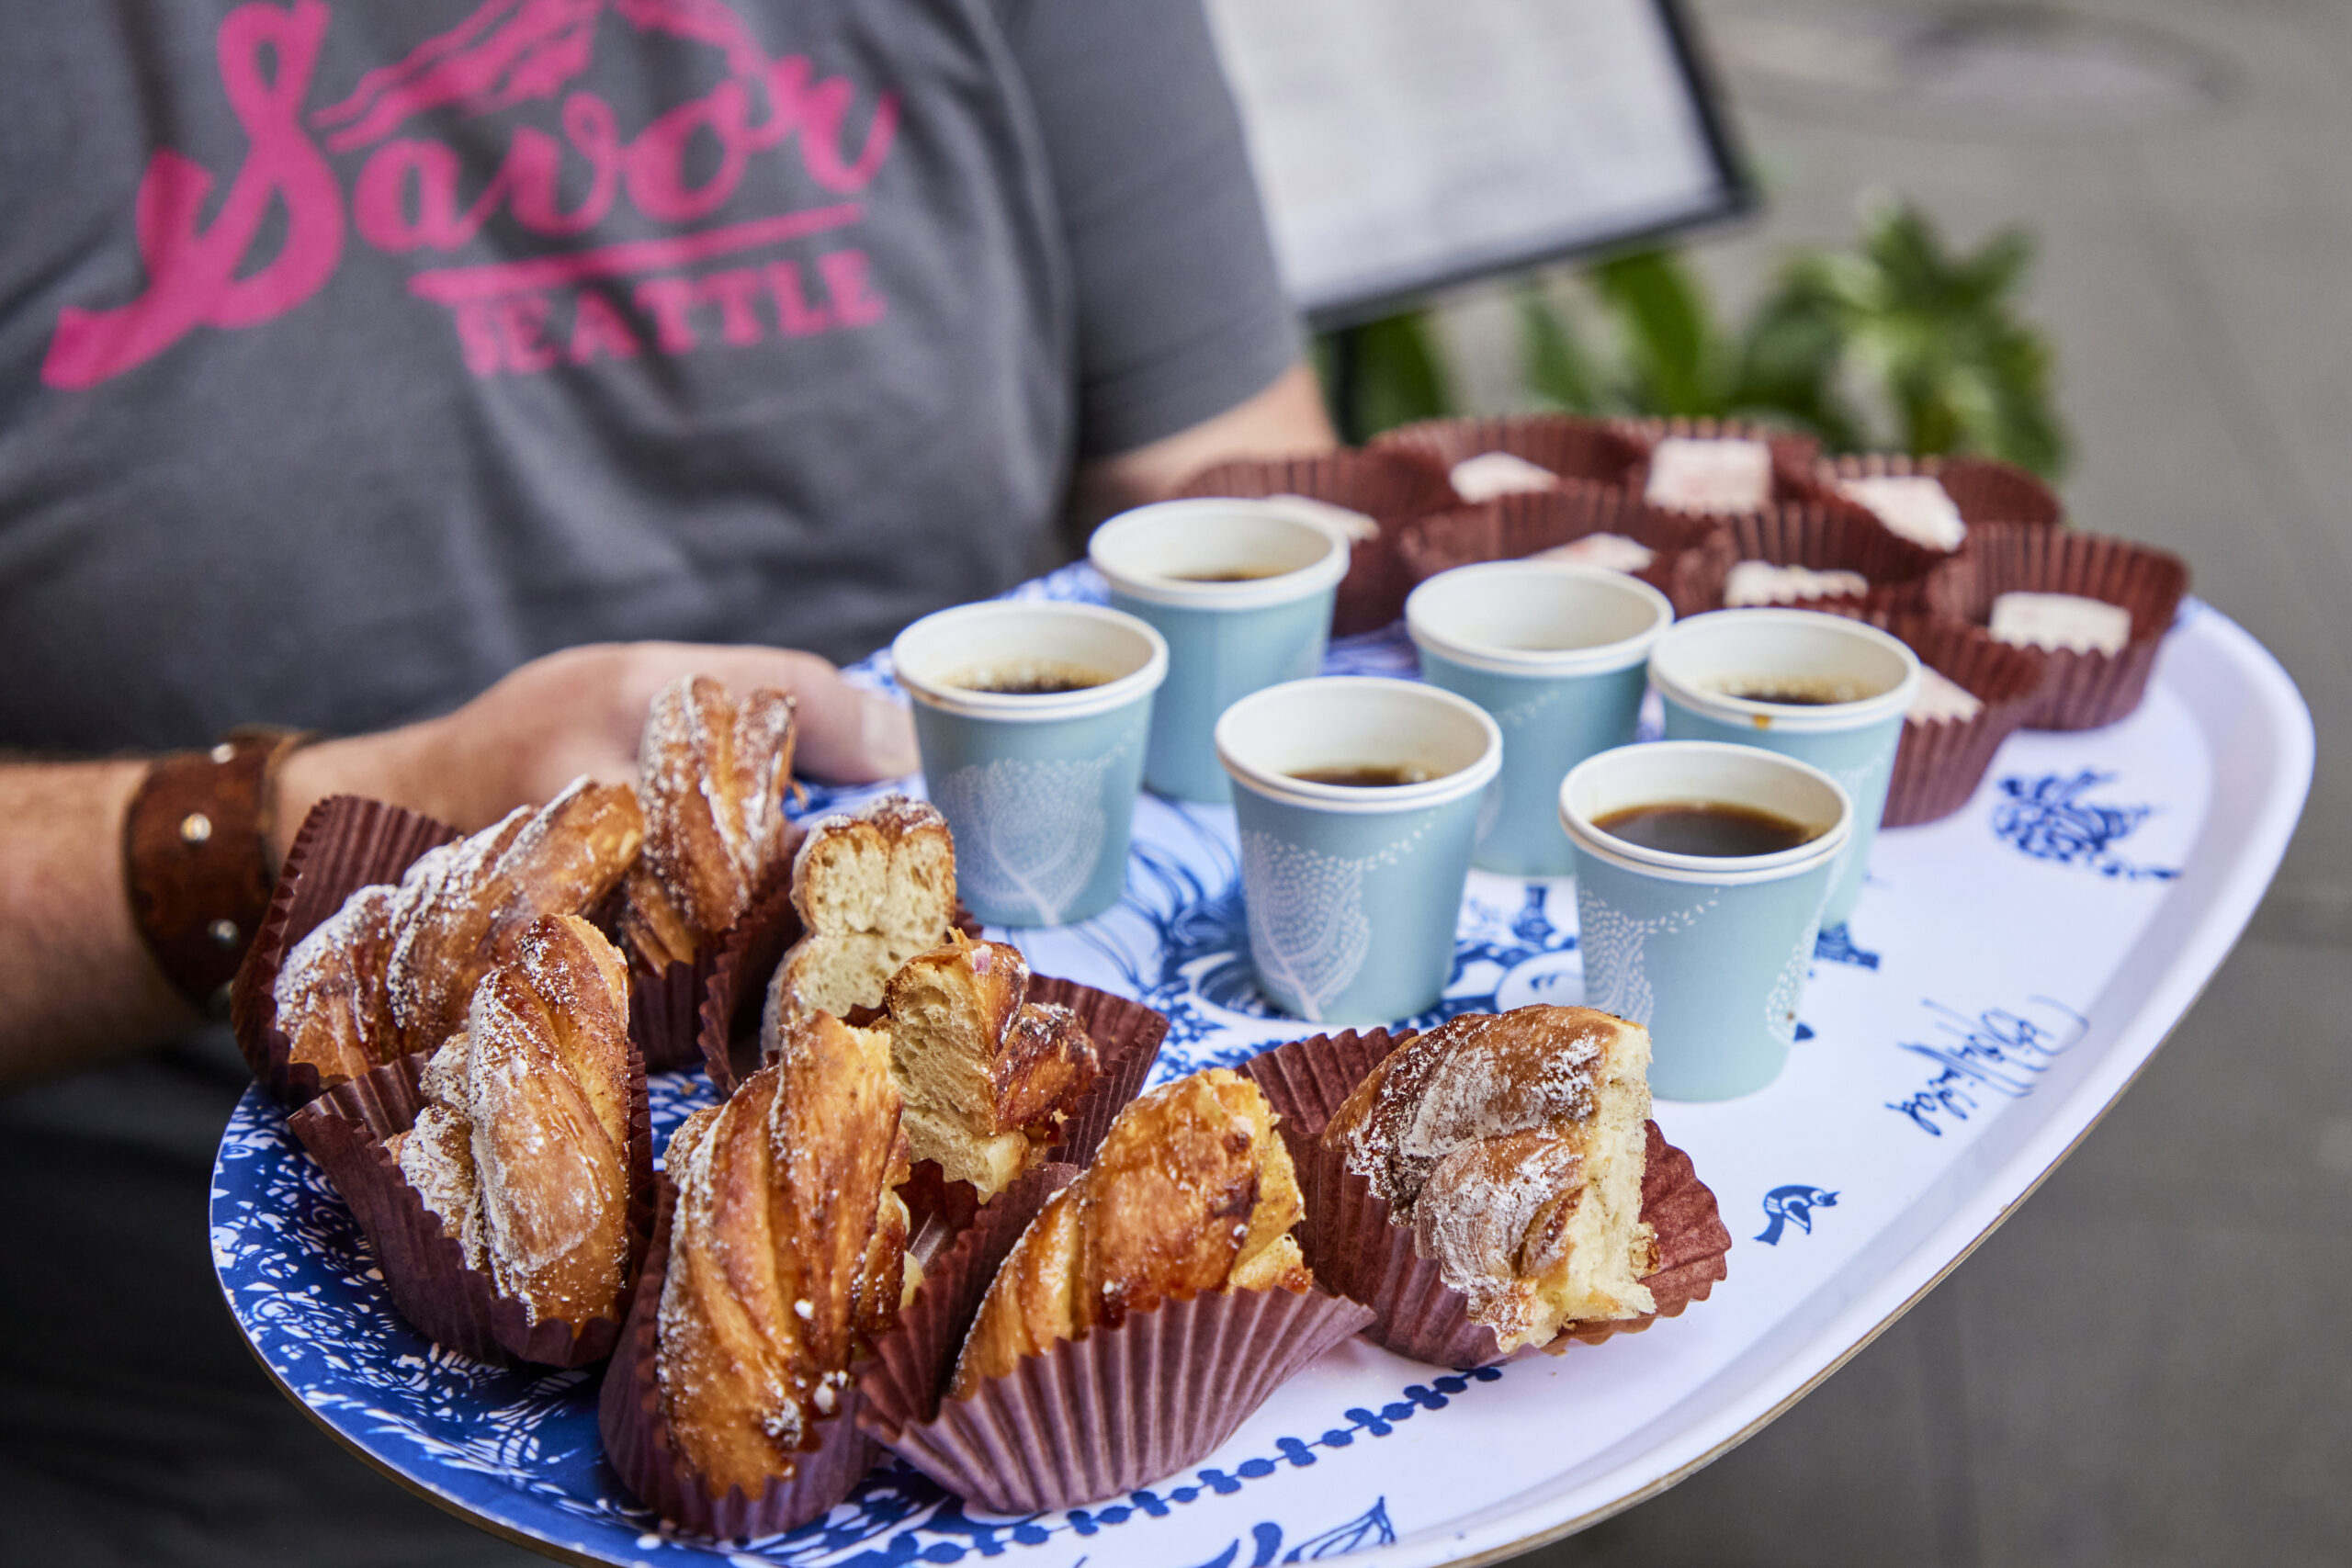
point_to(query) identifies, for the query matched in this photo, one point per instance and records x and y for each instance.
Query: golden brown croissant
(988, 1076)
(711, 776)
(465, 913)
(874, 889)
(524, 1151)
(787, 1252)
(330, 990)
(1191, 1190)
(1514, 1147)
(395, 969)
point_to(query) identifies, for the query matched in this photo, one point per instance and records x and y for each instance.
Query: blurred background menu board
(1405, 144)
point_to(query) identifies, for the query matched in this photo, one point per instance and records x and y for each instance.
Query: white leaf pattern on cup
(1616, 979)
(1028, 834)
(1781, 1007)
(1307, 928)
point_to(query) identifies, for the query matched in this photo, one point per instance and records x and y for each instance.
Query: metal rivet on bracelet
(223, 932)
(195, 828)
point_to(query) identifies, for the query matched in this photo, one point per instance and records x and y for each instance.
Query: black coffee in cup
(1795, 691)
(1717, 830)
(1032, 679)
(1367, 775)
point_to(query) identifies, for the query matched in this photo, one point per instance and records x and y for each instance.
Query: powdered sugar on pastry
(1514, 1147)
(1941, 699)
(2061, 621)
(1914, 505)
(1610, 552)
(1695, 475)
(1754, 582)
(1491, 474)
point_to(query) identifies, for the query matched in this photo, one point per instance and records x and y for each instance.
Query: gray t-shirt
(351, 354)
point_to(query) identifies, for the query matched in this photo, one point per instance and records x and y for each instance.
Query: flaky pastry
(873, 888)
(395, 969)
(712, 774)
(988, 1076)
(788, 1252)
(1514, 1147)
(1190, 1192)
(522, 1151)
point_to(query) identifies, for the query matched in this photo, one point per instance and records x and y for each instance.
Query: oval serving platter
(2009, 972)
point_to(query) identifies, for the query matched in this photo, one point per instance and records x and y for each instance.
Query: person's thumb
(850, 735)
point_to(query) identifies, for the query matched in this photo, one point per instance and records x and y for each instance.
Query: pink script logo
(406, 196)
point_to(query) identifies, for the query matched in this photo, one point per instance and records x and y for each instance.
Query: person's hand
(581, 711)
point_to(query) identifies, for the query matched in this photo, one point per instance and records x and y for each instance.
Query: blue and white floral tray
(2009, 971)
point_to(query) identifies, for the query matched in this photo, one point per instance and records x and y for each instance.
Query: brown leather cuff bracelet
(197, 861)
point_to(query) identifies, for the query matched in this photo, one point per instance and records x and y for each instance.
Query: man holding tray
(358, 364)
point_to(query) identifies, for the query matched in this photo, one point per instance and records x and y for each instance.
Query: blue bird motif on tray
(1793, 1205)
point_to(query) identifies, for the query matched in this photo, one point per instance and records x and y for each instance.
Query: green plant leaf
(1673, 349)
(1552, 356)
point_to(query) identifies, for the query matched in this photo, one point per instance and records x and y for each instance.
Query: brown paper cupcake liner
(728, 1008)
(1093, 1418)
(1939, 765)
(1794, 453)
(1390, 487)
(636, 1432)
(424, 1269)
(1587, 451)
(665, 1009)
(901, 1381)
(1352, 1246)
(2080, 690)
(1692, 554)
(1837, 536)
(1983, 490)
(345, 843)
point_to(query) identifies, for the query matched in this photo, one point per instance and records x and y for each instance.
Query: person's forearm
(77, 983)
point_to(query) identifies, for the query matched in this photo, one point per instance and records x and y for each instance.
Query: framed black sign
(1405, 145)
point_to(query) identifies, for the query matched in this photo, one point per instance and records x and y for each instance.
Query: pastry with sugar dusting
(988, 1077)
(712, 774)
(2060, 622)
(1757, 583)
(787, 1254)
(1710, 474)
(1941, 699)
(1490, 476)
(1916, 506)
(393, 970)
(873, 888)
(1610, 552)
(522, 1148)
(1192, 1192)
(1513, 1146)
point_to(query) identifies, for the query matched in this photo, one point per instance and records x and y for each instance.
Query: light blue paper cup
(1702, 664)
(1710, 952)
(1353, 895)
(1554, 652)
(1038, 789)
(1225, 639)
